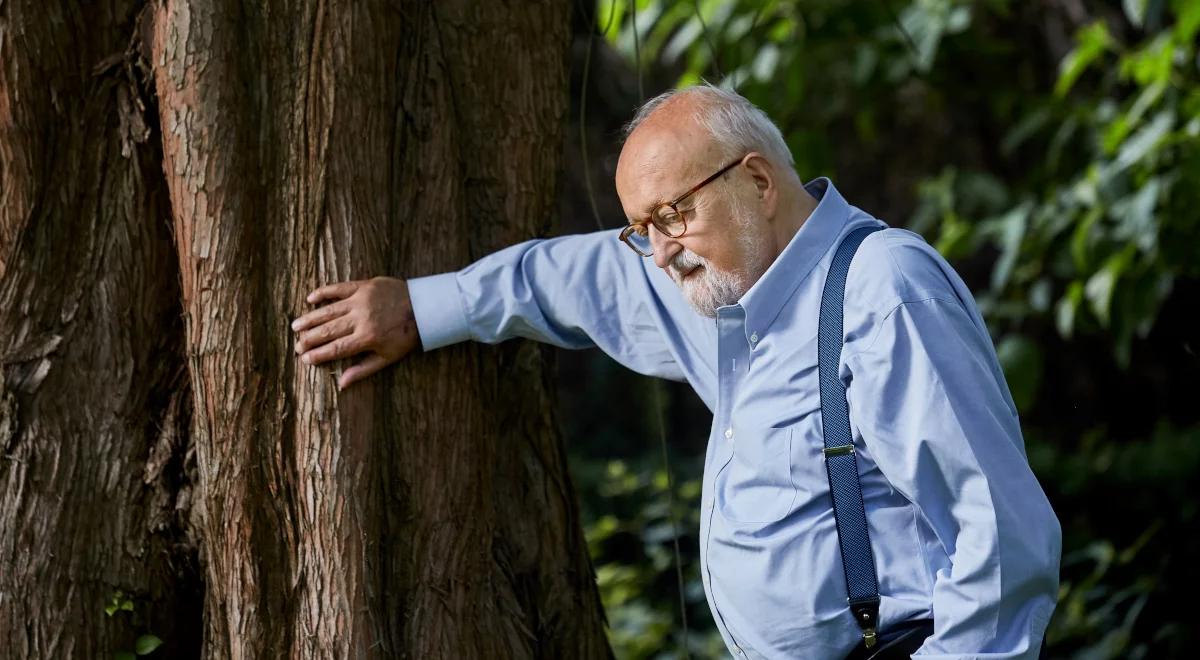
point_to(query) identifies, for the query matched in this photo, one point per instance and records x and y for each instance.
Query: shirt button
(729, 433)
(754, 338)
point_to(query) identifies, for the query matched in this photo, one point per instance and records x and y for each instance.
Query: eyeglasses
(666, 218)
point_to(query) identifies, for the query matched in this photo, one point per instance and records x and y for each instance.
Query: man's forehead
(659, 158)
(672, 139)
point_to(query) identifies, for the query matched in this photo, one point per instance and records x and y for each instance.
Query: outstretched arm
(573, 291)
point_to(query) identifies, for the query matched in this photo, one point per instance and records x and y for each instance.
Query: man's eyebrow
(653, 205)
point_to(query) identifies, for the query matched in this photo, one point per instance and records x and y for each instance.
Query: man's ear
(766, 184)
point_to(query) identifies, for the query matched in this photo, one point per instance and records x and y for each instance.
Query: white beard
(711, 288)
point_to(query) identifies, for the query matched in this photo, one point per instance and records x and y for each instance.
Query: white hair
(736, 125)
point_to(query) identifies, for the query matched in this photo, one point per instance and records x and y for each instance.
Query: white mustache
(684, 262)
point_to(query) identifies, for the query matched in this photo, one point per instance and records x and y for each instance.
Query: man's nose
(665, 248)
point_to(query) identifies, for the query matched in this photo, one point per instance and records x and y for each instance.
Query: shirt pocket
(755, 485)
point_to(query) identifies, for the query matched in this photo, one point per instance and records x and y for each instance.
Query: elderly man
(718, 280)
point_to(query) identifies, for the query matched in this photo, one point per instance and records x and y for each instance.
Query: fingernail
(309, 298)
(295, 324)
(307, 359)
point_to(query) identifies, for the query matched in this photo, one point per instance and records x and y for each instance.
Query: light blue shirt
(960, 529)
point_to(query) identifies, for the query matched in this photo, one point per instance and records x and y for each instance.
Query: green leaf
(1025, 129)
(783, 31)
(1135, 10)
(1067, 309)
(1083, 238)
(1119, 129)
(1022, 362)
(1011, 227)
(606, 18)
(1099, 290)
(765, 62)
(110, 609)
(1151, 63)
(1188, 12)
(146, 644)
(954, 240)
(685, 39)
(1092, 41)
(1136, 221)
(1142, 142)
(1103, 283)
(127, 605)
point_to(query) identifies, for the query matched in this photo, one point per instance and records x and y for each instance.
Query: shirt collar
(814, 238)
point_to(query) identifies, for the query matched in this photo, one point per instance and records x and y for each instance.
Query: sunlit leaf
(1142, 142)
(1135, 11)
(1091, 42)
(1067, 309)
(1188, 23)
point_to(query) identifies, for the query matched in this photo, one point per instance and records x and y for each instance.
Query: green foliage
(122, 604)
(1107, 228)
(118, 603)
(1066, 173)
(1114, 567)
(640, 588)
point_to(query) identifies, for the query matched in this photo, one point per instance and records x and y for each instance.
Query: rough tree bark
(93, 401)
(426, 512)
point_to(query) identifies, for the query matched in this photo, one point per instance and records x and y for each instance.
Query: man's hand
(365, 316)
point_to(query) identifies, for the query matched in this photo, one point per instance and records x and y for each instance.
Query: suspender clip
(866, 613)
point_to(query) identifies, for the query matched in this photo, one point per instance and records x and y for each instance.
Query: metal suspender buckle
(838, 451)
(866, 613)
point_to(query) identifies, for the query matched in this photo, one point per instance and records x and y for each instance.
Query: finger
(324, 333)
(319, 316)
(335, 350)
(368, 366)
(333, 292)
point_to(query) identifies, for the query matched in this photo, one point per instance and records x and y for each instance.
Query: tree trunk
(93, 401)
(425, 512)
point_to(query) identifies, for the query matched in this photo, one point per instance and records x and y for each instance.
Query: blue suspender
(840, 464)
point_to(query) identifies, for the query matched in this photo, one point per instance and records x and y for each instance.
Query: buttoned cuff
(437, 307)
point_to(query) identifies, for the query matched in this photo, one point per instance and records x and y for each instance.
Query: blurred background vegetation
(1051, 150)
